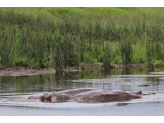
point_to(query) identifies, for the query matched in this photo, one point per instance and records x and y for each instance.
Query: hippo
(89, 95)
(101, 96)
(62, 96)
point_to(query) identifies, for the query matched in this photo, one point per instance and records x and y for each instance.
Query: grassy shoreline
(62, 37)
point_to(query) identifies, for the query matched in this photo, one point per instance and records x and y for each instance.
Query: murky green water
(14, 92)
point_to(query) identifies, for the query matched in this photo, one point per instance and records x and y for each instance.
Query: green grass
(61, 37)
(139, 53)
(89, 12)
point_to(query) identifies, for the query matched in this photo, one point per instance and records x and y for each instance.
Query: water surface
(14, 92)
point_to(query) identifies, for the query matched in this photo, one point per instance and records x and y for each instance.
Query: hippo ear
(45, 94)
(30, 97)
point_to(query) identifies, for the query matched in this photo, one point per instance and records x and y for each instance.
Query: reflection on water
(15, 90)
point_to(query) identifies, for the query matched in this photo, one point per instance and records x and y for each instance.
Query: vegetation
(107, 57)
(62, 37)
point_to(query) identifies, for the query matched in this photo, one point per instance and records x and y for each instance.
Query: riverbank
(23, 71)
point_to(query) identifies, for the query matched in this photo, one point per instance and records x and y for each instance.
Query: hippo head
(139, 92)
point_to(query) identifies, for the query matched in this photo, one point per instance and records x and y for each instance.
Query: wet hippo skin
(99, 96)
(89, 95)
(63, 96)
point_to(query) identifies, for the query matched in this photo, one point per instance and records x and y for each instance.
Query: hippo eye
(45, 93)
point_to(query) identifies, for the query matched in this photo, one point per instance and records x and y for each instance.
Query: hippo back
(76, 91)
(101, 96)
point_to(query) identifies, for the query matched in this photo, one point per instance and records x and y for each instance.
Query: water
(14, 92)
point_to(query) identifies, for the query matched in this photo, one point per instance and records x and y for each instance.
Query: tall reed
(39, 42)
(107, 57)
(126, 52)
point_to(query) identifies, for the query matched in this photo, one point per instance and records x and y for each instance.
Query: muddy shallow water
(14, 91)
